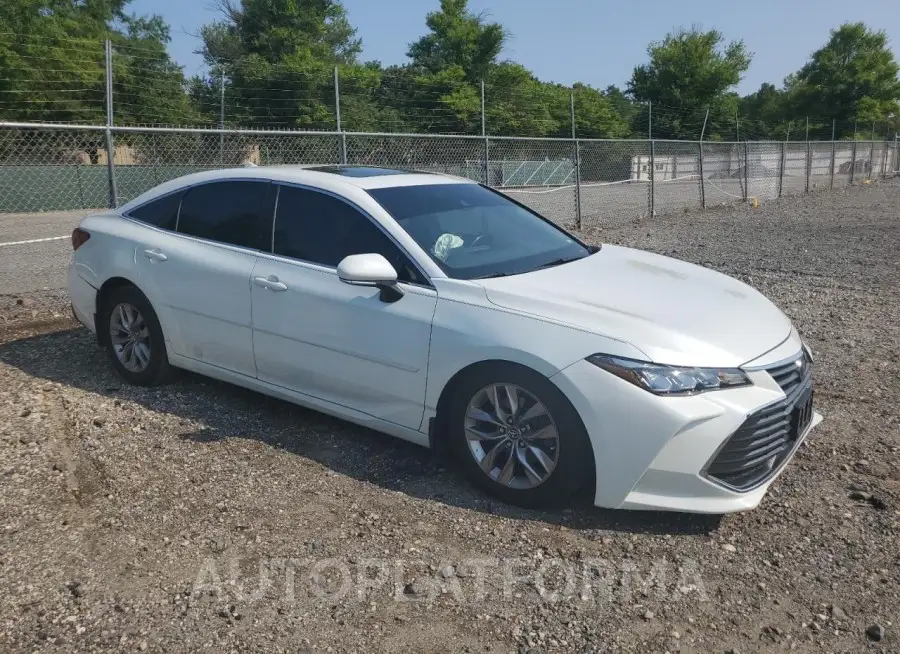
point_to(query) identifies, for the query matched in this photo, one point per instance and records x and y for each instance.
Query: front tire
(134, 338)
(518, 437)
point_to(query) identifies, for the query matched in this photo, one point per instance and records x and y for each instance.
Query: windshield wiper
(558, 262)
(496, 274)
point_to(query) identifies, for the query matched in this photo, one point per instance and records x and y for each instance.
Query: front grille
(791, 374)
(769, 435)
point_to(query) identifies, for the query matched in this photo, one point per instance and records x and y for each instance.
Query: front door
(316, 335)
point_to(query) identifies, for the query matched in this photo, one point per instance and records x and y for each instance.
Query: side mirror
(370, 270)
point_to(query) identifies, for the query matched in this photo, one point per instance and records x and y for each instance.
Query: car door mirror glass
(367, 270)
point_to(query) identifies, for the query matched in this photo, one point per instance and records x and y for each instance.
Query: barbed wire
(149, 88)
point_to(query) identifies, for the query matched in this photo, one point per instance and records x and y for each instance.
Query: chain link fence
(578, 183)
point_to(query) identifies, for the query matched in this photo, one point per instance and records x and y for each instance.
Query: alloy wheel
(129, 337)
(512, 436)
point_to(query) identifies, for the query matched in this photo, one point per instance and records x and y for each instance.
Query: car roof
(364, 177)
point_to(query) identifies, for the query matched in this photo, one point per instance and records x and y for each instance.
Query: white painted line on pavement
(35, 240)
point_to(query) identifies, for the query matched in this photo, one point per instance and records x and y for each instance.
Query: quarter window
(162, 212)
(320, 228)
(236, 213)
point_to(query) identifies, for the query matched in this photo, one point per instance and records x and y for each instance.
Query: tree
(148, 87)
(278, 57)
(851, 78)
(458, 38)
(52, 66)
(766, 112)
(689, 71)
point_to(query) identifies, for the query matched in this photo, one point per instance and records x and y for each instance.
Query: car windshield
(473, 232)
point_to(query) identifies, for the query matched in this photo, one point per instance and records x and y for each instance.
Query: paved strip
(34, 240)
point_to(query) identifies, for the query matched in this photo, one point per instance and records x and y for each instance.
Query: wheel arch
(437, 426)
(103, 293)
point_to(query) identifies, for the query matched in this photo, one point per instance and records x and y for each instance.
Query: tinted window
(320, 228)
(161, 212)
(471, 231)
(237, 213)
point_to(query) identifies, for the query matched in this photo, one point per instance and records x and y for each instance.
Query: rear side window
(237, 213)
(320, 228)
(162, 212)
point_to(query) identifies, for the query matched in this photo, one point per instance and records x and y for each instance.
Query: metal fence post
(487, 142)
(833, 158)
(808, 162)
(222, 120)
(746, 171)
(577, 165)
(80, 187)
(110, 144)
(781, 170)
(872, 153)
(652, 178)
(853, 163)
(702, 180)
(337, 114)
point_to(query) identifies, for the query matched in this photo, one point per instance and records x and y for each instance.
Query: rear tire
(133, 337)
(533, 451)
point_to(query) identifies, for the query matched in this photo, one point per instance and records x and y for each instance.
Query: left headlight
(670, 380)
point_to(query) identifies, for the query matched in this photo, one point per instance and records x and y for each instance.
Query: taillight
(79, 237)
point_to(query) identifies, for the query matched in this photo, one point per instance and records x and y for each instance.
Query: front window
(473, 232)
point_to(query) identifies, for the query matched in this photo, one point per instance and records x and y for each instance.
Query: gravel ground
(201, 516)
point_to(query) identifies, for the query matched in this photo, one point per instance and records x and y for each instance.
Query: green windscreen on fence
(69, 187)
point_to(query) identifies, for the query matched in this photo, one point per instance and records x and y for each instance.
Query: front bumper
(651, 452)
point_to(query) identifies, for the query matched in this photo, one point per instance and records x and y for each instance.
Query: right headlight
(670, 380)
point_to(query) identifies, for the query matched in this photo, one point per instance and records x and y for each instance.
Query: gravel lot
(200, 516)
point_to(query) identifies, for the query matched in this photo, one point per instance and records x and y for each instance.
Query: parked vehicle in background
(440, 311)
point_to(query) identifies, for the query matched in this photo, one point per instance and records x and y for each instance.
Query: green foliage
(764, 112)
(853, 77)
(278, 57)
(275, 60)
(52, 63)
(458, 38)
(689, 71)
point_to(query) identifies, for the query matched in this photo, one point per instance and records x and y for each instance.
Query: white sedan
(442, 312)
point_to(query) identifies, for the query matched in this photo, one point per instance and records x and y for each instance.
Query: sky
(596, 42)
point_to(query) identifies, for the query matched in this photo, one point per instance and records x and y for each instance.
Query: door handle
(155, 255)
(270, 283)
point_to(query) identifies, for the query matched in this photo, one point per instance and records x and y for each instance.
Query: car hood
(675, 312)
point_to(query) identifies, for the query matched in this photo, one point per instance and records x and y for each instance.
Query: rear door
(316, 335)
(198, 276)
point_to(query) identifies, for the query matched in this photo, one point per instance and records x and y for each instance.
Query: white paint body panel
(338, 348)
(341, 343)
